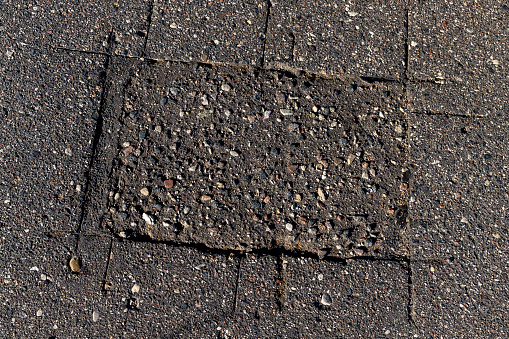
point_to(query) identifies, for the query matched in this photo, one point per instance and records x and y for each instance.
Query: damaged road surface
(245, 159)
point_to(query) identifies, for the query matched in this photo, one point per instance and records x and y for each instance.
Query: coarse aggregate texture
(240, 159)
(84, 26)
(227, 31)
(458, 56)
(170, 291)
(49, 101)
(293, 297)
(356, 38)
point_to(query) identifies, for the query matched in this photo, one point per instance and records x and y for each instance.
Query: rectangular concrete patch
(236, 158)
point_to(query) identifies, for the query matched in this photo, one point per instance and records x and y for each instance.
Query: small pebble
(148, 218)
(144, 191)
(234, 153)
(135, 288)
(225, 87)
(74, 264)
(205, 198)
(39, 313)
(289, 227)
(326, 299)
(168, 183)
(95, 316)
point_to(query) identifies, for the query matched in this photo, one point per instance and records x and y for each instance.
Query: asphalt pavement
(258, 169)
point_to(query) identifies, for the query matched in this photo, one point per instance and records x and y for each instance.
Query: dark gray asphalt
(417, 90)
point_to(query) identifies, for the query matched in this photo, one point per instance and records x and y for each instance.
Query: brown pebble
(266, 199)
(168, 183)
(205, 198)
(293, 168)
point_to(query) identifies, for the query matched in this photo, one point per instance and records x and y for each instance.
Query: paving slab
(352, 38)
(208, 31)
(310, 298)
(85, 26)
(258, 310)
(461, 298)
(234, 158)
(49, 101)
(363, 298)
(458, 201)
(458, 225)
(472, 97)
(42, 297)
(169, 291)
(460, 50)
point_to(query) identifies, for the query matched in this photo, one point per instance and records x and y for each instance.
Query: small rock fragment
(225, 87)
(292, 168)
(75, 264)
(286, 111)
(148, 218)
(350, 159)
(95, 316)
(135, 288)
(289, 227)
(326, 299)
(168, 183)
(144, 191)
(321, 195)
(205, 198)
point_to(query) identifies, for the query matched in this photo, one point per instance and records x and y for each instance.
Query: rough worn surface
(168, 291)
(355, 38)
(242, 159)
(49, 101)
(208, 31)
(86, 26)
